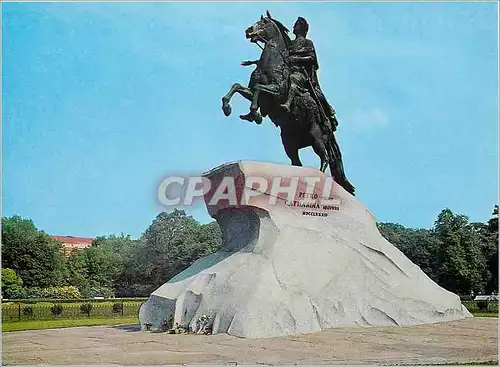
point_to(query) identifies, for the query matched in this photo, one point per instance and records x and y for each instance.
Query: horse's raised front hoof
(226, 108)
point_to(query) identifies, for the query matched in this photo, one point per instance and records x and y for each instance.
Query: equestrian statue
(285, 87)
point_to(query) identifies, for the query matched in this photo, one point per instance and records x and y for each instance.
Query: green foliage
(12, 285)
(96, 290)
(56, 310)
(485, 314)
(61, 323)
(136, 289)
(460, 256)
(463, 265)
(65, 292)
(419, 245)
(31, 253)
(97, 269)
(42, 311)
(493, 222)
(171, 243)
(491, 251)
(80, 300)
(482, 305)
(28, 311)
(86, 308)
(117, 307)
(489, 247)
(210, 239)
(167, 246)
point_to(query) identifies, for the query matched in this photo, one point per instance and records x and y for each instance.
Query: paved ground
(468, 340)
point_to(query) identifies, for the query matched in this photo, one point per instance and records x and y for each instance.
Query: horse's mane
(284, 31)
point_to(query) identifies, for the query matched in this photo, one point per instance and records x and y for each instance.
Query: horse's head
(263, 30)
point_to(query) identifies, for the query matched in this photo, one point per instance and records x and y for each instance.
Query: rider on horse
(285, 87)
(304, 62)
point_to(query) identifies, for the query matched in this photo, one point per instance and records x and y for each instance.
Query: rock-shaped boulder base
(288, 268)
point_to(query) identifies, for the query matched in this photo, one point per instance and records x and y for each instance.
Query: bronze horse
(267, 90)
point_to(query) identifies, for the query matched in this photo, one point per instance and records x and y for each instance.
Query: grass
(42, 311)
(484, 314)
(71, 304)
(54, 324)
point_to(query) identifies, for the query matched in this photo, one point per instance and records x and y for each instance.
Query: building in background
(72, 244)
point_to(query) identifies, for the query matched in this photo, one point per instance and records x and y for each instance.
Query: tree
(97, 269)
(77, 270)
(419, 245)
(209, 240)
(463, 265)
(31, 253)
(493, 222)
(171, 243)
(12, 285)
(491, 251)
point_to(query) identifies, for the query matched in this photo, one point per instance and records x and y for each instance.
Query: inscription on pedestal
(321, 205)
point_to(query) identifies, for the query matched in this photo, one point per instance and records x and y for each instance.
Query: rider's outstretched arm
(249, 62)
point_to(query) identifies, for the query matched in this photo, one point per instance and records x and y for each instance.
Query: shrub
(86, 308)
(28, 311)
(15, 292)
(33, 292)
(56, 310)
(117, 307)
(471, 306)
(97, 291)
(135, 290)
(12, 285)
(66, 292)
(482, 305)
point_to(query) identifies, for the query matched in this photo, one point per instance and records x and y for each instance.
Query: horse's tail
(336, 165)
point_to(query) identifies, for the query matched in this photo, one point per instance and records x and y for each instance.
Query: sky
(101, 101)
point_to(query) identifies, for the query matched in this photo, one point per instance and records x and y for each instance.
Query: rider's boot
(291, 95)
(286, 106)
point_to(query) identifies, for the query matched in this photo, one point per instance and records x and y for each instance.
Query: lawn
(53, 324)
(484, 314)
(43, 311)
(73, 304)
